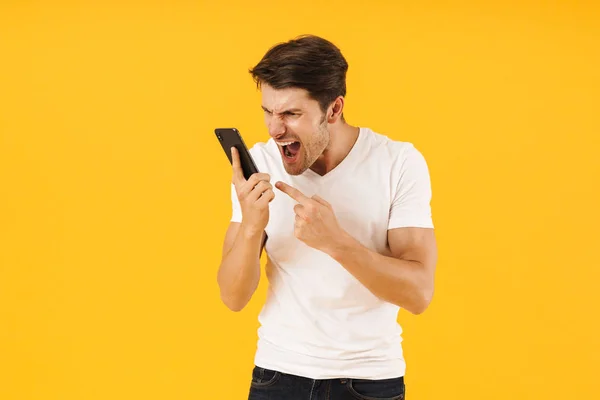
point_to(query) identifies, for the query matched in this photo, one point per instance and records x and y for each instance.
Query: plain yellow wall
(114, 193)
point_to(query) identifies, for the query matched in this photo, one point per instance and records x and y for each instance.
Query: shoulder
(399, 154)
(399, 163)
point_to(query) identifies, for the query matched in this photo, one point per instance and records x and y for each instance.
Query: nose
(276, 127)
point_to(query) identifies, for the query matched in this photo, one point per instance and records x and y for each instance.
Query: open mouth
(290, 150)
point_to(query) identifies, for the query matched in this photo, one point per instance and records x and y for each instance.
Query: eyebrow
(290, 110)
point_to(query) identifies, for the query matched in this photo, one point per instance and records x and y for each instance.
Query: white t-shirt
(318, 320)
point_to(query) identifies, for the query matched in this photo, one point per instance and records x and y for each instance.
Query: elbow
(421, 301)
(234, 303)
(235, 298)
(229, 297)
(235, 307)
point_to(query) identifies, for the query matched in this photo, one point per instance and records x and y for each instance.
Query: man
(344, 216)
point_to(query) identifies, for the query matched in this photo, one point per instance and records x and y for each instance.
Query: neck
(341, 140)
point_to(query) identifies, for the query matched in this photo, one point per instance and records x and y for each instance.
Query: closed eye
(292, 113)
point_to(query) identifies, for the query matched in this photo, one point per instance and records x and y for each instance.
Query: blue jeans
(267, 384)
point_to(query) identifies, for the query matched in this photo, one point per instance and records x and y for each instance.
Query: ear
(334, 112)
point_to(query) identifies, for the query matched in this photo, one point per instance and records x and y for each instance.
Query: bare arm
(406, 278)
(239, 272)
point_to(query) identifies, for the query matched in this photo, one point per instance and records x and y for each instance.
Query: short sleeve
(411, 203)
(236, 210)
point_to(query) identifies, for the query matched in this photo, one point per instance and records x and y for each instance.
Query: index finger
(292, 192)
(238, 174)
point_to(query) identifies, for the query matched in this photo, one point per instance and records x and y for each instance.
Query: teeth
(284, 143)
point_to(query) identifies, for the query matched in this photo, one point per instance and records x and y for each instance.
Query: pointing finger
(292, 192)
(321, 200)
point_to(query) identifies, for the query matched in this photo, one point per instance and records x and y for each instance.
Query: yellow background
(114, 193)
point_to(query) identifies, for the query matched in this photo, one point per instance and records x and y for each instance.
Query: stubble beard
(311, 150)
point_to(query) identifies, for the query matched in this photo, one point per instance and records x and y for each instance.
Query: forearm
(402, 282)
(239, 272)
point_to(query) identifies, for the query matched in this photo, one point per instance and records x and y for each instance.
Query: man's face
(297, 124)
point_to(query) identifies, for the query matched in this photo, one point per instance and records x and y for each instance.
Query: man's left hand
(316, 224)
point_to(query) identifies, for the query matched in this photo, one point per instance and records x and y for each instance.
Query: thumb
(238, 174)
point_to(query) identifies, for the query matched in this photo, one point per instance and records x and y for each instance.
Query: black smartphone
(230, 137)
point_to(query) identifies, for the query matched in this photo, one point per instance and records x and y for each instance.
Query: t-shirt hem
(320, 368)
(410, 224)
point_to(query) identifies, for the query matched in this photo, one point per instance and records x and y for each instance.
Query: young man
(344, 216)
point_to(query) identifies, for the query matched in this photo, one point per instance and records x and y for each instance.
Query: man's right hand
(254, 196)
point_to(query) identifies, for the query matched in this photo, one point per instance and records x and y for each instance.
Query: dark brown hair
(308, 62)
